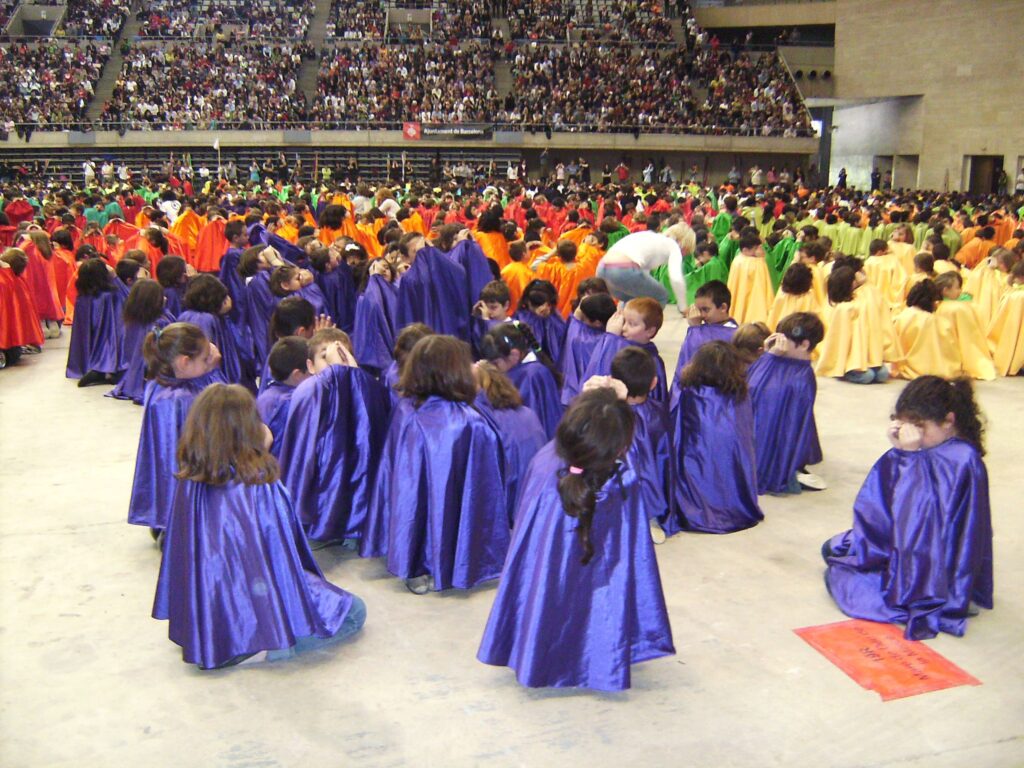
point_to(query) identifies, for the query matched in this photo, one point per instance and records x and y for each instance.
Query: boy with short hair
(708, 319)
(586, 330)
(517, 274)
(637, 323)
(750, 281)
(288, 368)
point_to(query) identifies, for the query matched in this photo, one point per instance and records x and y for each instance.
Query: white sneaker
(420, 585)
(657, 535)
(811, 481)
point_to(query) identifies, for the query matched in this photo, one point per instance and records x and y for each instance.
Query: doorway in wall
(882, 165)
(983, 173)
(904, 172)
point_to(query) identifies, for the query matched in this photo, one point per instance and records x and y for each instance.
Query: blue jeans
(878, 375)
(352, 623)
(627, 283)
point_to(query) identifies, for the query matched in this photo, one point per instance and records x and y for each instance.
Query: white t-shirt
(650, 250)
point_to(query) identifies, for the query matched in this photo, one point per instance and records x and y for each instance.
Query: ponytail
(538, 350)
(162, 346)
(595, 431)
(931, 398)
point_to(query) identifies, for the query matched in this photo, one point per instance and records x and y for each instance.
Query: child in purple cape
(333, 439)
(715, 475)
(287, 368)
(96, 353)
(238, 583)
(635, 324)
(181, 362)
(206, 305)
(144, 311)
(783, 389)
(538, 308)
(708, 320)
(515, 352)
(580, 598)
(920, 550)
(440, 509)
(587, 326)
(650, 453)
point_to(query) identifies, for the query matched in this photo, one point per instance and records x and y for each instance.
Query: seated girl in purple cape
(293, 316)
(96, 354)
(181, 362)
(538, 308)
(580, 597)
(206, 305)
(255, 267)
(715, 477)
(333, 438)
(144, 311)
(783, 389)
(336, 282)
(440, 508)
(287, 368)
(520, 429)
(707, 319)
(636, 324)
(920, 550)
(406, 340)
(237, 580)
(491, 309)
(376, 322)
(174, 273)
(586, 331)
(515, 352)
(650, 453)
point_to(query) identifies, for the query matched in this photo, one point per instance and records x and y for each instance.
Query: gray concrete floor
(87, 678)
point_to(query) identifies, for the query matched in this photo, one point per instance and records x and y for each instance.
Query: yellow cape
(928, 344)
(751, 287)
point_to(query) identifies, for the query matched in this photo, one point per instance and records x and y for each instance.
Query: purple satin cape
(132, 385)
(696, 337)
(259, 304)
(332, 446)
(550, 332)
(315, 296)
(539, 390)
(651, 456)
(470, 257)
(237, 576)
(559, 623)
(782, 394)
(440, 505)
(920, 549)
(235, 366)
(273, 403)
(715, 476)
(173, 298)
(97, 336)
(166, 406)
(522, 436)
(375, 324)
(580, 342)
(609, 346)
(434, 292)
(234, 282)
(339, 291)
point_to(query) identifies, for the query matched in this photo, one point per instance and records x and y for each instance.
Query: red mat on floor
(878, 658)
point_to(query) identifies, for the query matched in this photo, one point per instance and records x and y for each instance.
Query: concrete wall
(772, 15)
(862, 133)
(963, 59)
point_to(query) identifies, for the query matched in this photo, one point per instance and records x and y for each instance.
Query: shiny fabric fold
(97, 336)
(434, 291)
(331, 448)
(715, 475)
(920, 549)
(559, 623)
(440, 505)
(375, 325)
(236, 366)
(609, 346)
(580, 342)
(550, 332)
(782, 394)
(273, 403)
(132, 385)
(539, 391)
(237, 576)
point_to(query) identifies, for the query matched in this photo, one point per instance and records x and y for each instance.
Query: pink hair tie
(575, 470)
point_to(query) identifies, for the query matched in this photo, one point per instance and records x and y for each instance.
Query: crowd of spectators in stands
(457, 20)
(631, 21)
(95, 18)
(540, 19)
(48, 87)
(207, 85)
(427, 83)
(277, 19)
(357, 20)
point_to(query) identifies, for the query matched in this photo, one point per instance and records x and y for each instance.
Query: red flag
(411, 131)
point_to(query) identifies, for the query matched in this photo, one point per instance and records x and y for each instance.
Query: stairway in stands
(317, 38)
(112, 70)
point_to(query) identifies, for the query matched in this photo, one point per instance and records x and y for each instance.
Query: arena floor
(89, 679)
